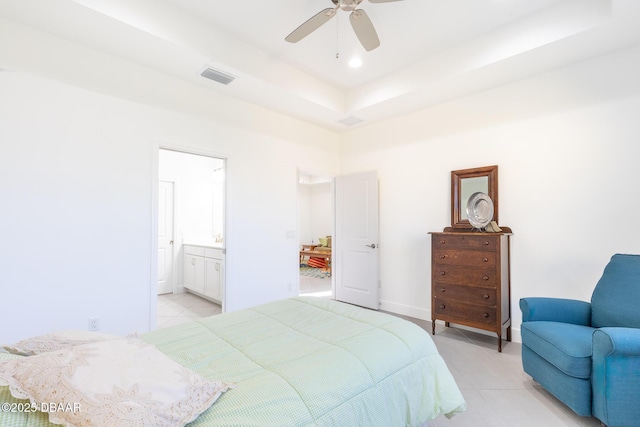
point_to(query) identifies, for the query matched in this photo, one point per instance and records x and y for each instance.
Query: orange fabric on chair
(316, 262)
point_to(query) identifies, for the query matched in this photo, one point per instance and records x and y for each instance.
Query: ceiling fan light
(348, 5)
(355, 63)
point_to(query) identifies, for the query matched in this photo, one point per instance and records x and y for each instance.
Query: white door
(165, 237)
(356, 240)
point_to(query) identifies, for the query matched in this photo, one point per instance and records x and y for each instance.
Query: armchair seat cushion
(567, 346)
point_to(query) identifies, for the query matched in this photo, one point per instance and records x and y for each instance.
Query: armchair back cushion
(614, 301)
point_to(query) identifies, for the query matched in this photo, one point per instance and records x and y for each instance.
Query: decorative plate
(480, 210)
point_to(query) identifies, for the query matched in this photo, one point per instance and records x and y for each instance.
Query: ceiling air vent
(217, 76)
(350, 121)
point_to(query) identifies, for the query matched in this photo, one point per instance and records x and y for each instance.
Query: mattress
(313, 362)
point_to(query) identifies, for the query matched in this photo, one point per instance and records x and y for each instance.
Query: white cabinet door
(214, 275)
(194, 273)
(204, 271)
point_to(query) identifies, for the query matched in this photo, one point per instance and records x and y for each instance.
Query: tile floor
(174, 309)
(497, 391)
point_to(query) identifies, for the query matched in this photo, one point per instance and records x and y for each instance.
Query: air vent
(350, 121)
(217, 76)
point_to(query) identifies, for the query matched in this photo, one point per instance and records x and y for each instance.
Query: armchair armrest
(616, 375)
(617, 342)
(556, 310)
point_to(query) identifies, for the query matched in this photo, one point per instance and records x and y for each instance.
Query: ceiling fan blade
(364, 29)
(312, 24)
(382, 1)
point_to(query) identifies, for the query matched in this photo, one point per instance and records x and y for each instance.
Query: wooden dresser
(470, 280)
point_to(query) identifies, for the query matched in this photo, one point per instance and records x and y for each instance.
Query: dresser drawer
(464, 312)
(470, 294)
(444, 273)
(466, 242)
(479, 259)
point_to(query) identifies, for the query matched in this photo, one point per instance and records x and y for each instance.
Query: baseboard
(406, 310)
(515, 335)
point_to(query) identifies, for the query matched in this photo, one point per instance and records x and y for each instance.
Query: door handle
(372, 246)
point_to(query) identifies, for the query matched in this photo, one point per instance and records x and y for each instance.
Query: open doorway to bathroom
(191, 231)
(316, 219)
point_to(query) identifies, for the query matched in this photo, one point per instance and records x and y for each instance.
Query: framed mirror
(464, 183)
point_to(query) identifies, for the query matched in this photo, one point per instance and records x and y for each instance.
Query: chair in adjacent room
(588, 354)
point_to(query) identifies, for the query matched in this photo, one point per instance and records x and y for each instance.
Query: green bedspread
(314, 362)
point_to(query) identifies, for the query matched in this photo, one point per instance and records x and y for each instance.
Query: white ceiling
(431, 50)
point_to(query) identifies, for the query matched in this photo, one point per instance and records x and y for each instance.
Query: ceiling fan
(360, 23)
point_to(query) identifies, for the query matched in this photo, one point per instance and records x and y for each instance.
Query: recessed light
(355, 63)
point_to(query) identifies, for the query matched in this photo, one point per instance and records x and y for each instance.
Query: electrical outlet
(94, 323)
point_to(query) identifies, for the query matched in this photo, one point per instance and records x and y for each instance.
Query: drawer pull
(485, 315)
(485, 296)
(442, 242)
(443, 290)
(442, 306)
(442, 256)
(485, 259)
(485, 277)
(486, 243)
(442, 273)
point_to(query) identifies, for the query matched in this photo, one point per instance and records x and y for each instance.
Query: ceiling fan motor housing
(347, 5)
(359, 19)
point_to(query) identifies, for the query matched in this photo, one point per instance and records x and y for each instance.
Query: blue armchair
(588, 354)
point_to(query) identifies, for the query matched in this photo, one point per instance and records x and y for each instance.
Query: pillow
(113, 383)
(55, 341)
(323, 241)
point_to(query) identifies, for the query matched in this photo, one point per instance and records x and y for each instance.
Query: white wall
(567, 148)
(322, 212)
(76, 176)
(304, 214)
(76, 173)
(197, 218)
(316, 211)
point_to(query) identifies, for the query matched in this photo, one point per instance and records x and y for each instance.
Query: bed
(306, 362)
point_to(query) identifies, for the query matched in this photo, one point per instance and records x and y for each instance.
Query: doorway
(191, 214)
(316, 225)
